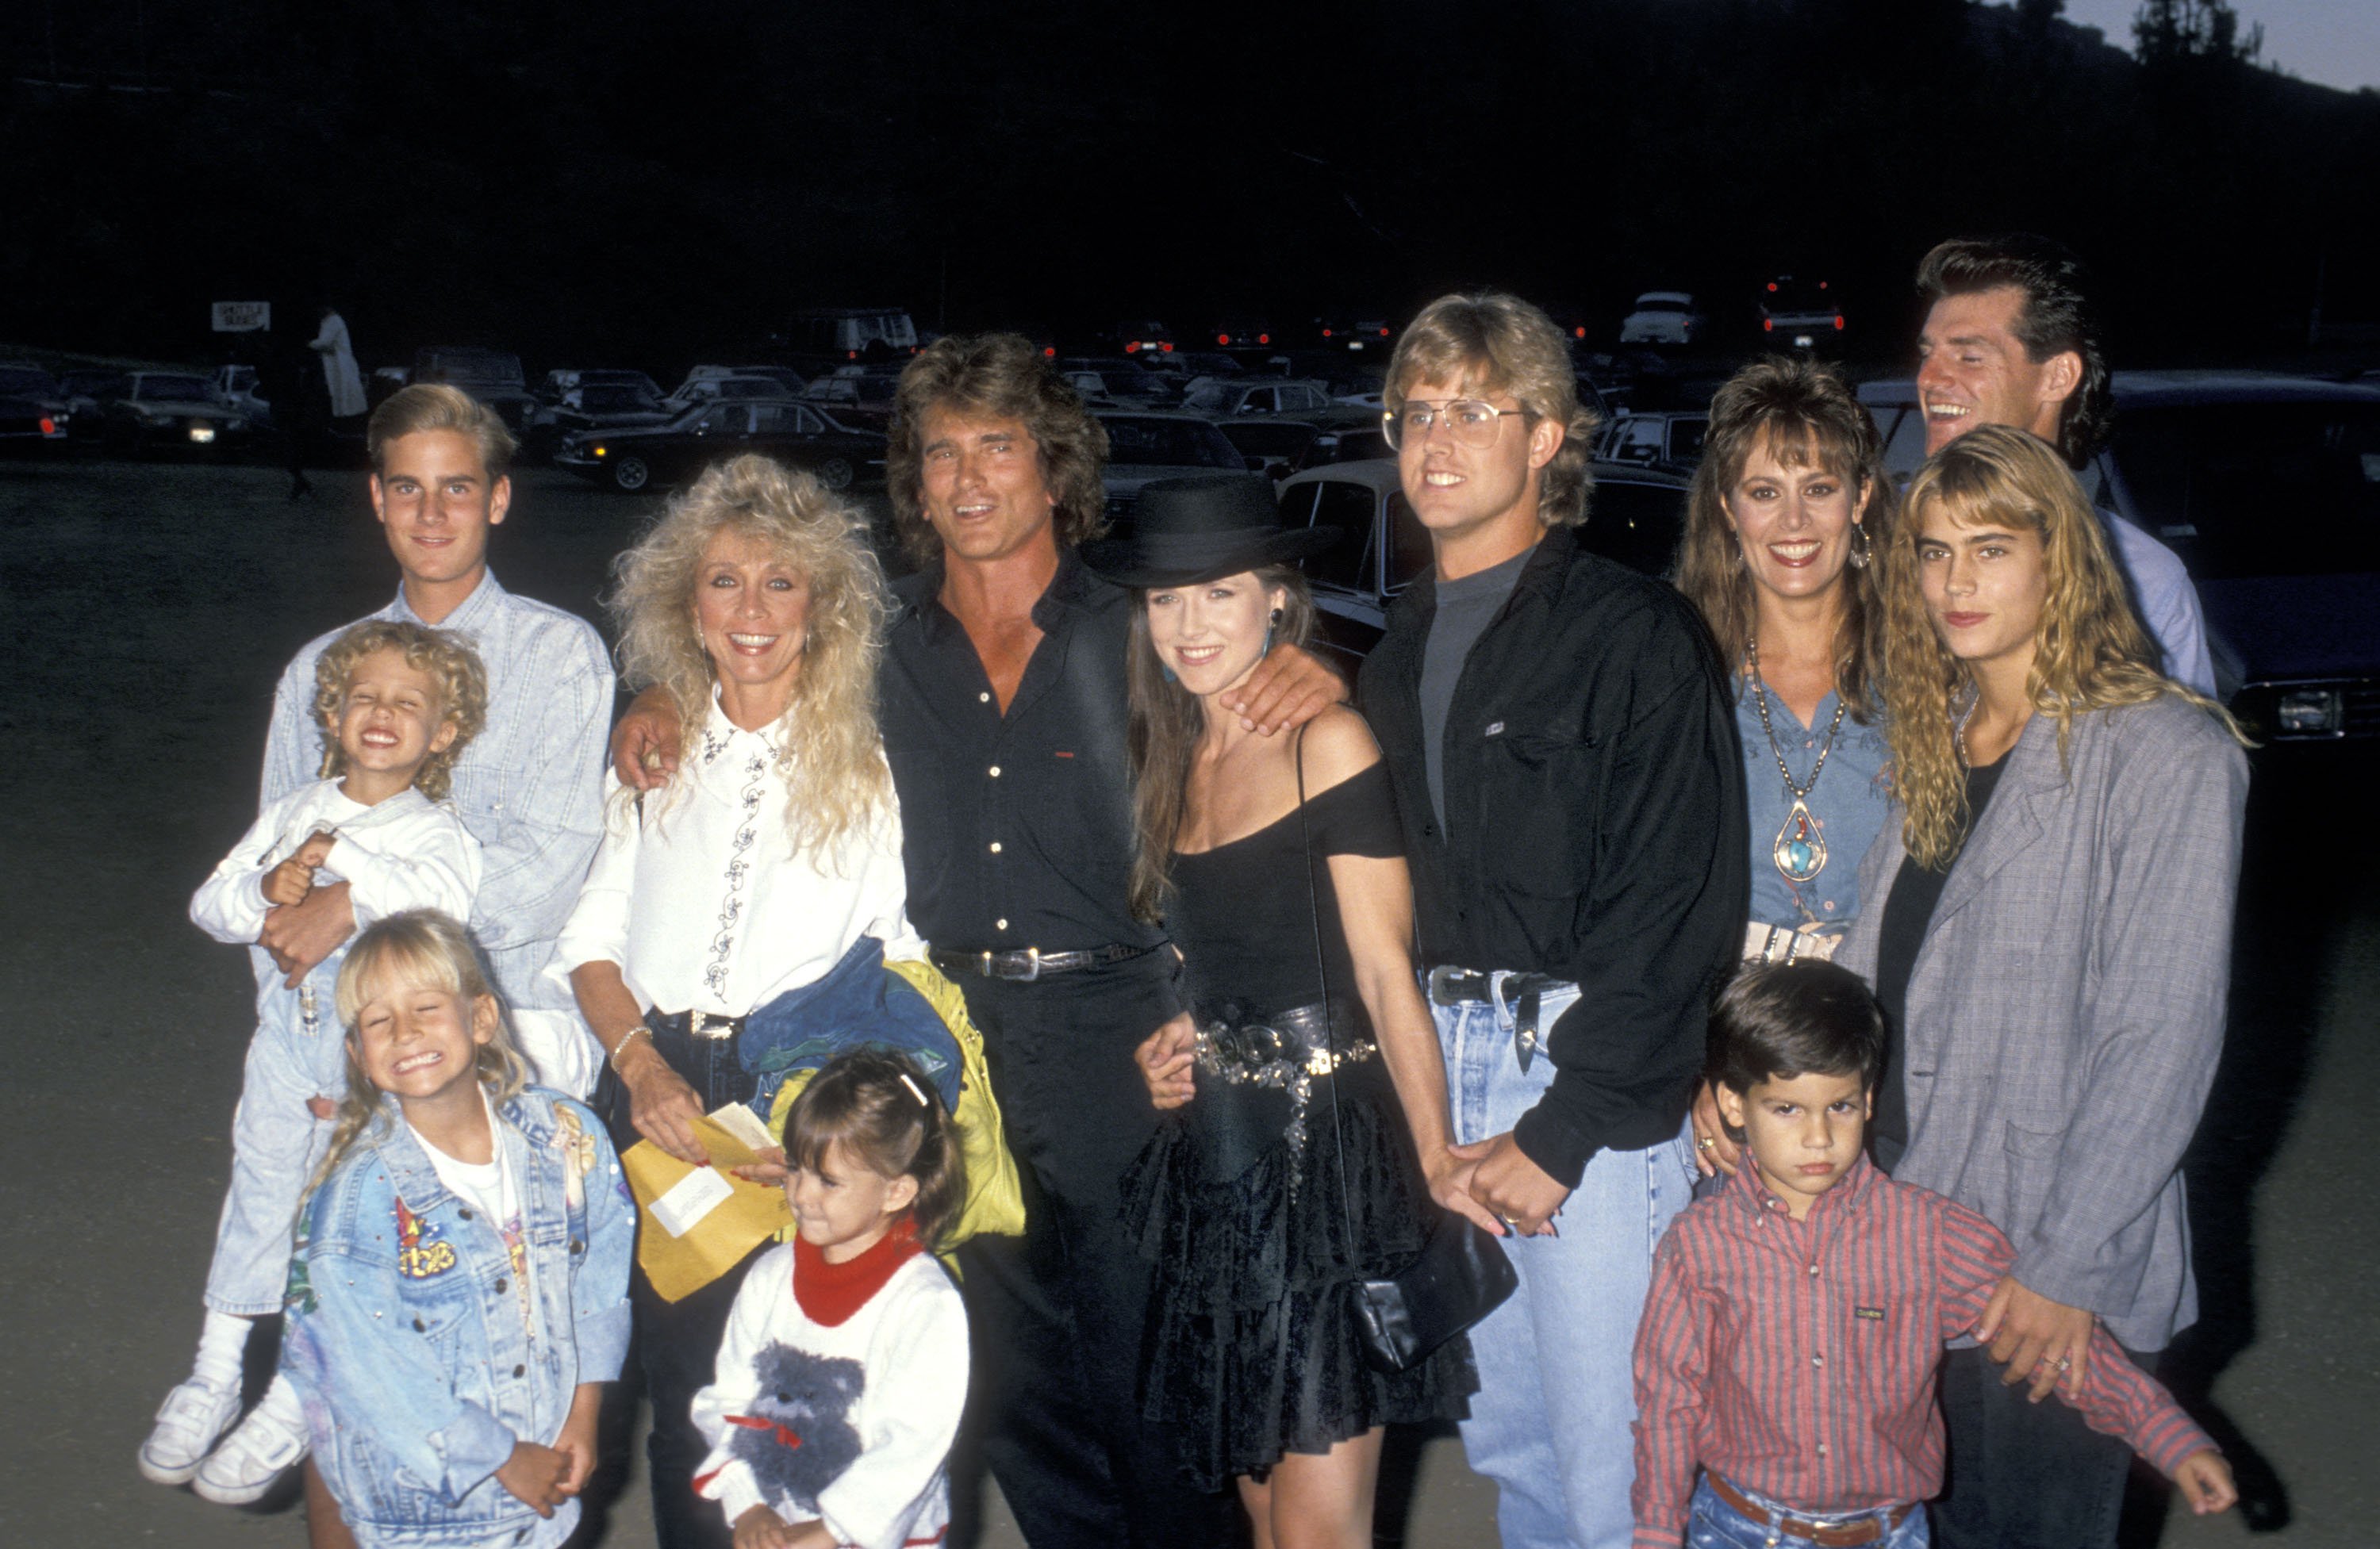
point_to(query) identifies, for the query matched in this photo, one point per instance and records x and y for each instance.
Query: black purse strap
(1322, 968)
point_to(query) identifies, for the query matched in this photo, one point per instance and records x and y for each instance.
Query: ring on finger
(1507, 1222)
(1706, 1144)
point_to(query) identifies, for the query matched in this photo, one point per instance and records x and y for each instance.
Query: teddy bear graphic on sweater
(799, 1437)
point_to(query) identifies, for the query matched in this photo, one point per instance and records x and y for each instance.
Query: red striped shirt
(1798, 1358)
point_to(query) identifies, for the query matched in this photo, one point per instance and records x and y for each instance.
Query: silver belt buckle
(1032, 966)
(701, 1024)
(1438, 976)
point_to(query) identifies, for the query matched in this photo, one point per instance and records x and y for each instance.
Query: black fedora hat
(1187, 530)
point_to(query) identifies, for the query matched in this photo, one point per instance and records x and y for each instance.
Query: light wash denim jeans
(1551, 1422)
(277, 1143)
(1711, 1523)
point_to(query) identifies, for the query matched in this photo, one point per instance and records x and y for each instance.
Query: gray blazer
(2065, 1013)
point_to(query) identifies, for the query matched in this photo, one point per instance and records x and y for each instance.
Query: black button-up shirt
(1017, 829)
(1595, 829)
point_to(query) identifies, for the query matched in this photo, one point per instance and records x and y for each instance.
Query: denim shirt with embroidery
(404, 1332)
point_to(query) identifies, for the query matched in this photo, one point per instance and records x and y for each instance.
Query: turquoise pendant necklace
(1799, 850)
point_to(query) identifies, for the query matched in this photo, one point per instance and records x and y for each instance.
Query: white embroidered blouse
(702, 899)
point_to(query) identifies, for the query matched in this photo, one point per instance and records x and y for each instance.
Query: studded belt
(1288, 1052)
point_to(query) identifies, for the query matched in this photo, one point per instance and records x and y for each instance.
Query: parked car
(491, 375)
(793, 381)
(1142, 447)
(1241, 333)
(1799, 312)
(595, 405)
(826, 335)
(30, 427)
(1121, 383)
(633, 459)
(1221, 399)
(1662, 317)
(726, 389)
(1354, 335)
(171, 410)
(1271, 445)
(24, 382)
(2268, 487)
(1660, 436)
(559, 384)
(1143, 335)
(87, 391)
(1345, 443)
(856, 398)
(235, 384)
(1636, 517)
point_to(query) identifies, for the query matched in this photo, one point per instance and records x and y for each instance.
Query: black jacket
(1594, 830)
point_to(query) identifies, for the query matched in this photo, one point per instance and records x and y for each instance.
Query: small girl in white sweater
(397, 702)
(845, 1363)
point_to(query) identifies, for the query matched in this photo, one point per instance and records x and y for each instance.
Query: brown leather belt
(1030, 962)
(1831, 1535)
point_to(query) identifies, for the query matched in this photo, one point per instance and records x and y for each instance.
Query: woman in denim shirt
(1789, 503)
(450, 1321)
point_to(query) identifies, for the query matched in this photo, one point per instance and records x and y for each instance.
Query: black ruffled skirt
(1251, 1348)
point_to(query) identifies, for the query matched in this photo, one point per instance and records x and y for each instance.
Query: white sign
(242, 316)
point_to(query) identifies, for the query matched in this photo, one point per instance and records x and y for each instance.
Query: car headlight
(202, 433)
(2310, 712)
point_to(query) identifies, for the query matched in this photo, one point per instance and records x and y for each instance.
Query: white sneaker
(193, 1416)
(265, 1445)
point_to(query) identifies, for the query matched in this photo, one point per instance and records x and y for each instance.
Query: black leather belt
(1452, 986)
(1028, 964)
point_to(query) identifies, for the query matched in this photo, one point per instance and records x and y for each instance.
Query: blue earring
(1271, 623)
(1169, 673)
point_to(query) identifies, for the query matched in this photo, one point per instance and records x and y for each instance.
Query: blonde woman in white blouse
(756, 606)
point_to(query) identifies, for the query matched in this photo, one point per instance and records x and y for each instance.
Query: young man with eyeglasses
(1559, 732)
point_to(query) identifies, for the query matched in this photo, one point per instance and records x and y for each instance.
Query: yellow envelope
(694, 1224)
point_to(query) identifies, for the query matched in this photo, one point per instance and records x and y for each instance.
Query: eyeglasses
(1470, 423)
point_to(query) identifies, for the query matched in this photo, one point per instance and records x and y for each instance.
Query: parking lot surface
(148, 610)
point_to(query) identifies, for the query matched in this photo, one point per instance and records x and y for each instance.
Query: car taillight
(1167, 346)
(1768, 325)
(1822, 285)
(1264, 338)
(1579, 332)
(851, 355)
(49, 426)
(1130, 345)
(1049, 352)
(1325, 333)
(1222, 338)
(1838, 322)
(1772, 287)
(1384, 333)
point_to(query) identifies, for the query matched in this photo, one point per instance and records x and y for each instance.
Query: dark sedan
(171, 411)
(633, 458)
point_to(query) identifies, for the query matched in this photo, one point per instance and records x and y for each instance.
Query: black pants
(1055, 1316)
(678, 1342)
(2024, 1475)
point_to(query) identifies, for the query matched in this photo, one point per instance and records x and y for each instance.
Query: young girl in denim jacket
(396, 703)
(460, 1291)
(845, 1363)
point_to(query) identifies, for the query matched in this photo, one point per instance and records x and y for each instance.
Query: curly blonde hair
(414, 949)
(1808, 417)
(452, 668)
(1489, 342)
(833, 756)
(2090, 652)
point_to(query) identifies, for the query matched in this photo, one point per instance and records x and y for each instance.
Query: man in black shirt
(1559, 732)
(1002, 702)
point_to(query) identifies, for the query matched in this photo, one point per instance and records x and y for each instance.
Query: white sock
(223, 1339)
(280, 1407)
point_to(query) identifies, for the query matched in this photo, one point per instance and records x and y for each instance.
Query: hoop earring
(1862, 545)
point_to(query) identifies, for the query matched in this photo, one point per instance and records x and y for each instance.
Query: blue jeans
(1551, 1422)
(277, 1142)
(1713, 1524)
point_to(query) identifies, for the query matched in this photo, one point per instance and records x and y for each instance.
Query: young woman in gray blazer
(2052, 951)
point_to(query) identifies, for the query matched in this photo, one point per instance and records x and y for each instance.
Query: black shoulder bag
(1460, 1275)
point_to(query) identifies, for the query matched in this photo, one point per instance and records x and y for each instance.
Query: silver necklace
(1800, 849)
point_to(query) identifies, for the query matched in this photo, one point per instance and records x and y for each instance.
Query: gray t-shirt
(1466, 608)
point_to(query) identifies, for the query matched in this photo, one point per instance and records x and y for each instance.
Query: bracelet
(622, 1047)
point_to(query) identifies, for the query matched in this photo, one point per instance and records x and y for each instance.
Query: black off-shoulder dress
(1251, 1348)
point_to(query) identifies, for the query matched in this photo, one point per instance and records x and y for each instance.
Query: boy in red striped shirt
(1797, 1317)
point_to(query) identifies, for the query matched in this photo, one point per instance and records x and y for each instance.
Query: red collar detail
(830, 1293)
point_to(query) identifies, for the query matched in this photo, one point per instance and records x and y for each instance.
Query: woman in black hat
(1312, 1131)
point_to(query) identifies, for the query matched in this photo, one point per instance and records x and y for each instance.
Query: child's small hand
(1165, 1057)
(536, 1475)
(287, 885)
(316, 850)
(576, 1442)
(2205, 1481)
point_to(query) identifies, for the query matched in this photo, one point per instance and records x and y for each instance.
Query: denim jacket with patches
(405, 1333)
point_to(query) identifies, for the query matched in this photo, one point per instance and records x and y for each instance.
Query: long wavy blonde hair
(2090, 652)
(831, 754)
(414, 949)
